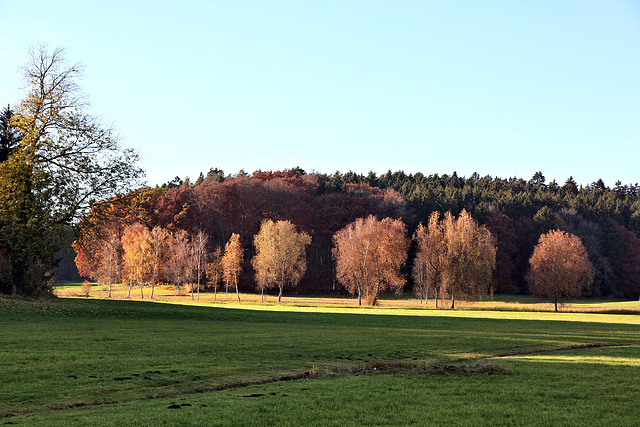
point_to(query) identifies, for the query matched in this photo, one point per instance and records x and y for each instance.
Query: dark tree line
(515, 211)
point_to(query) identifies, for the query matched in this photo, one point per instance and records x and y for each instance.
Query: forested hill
(515, 197)
(515, 210)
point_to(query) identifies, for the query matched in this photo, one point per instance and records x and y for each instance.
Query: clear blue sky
(502, 88)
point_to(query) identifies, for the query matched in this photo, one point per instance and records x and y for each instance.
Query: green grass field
(115, 362)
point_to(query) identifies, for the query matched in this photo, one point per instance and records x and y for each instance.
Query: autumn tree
(470, 256)
(369, 255)
(232, 264)
(280, 255)
(560, 267)
(160, 240)
(110, 259)
(428, 266)
(177, 265)
(214, 270)
(138, 254)
(199, 251)
(66, 161)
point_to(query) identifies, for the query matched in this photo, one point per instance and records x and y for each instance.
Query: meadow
(135, 362)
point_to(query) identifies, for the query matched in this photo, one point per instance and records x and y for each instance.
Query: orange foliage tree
(560, 267)
(110, 259)
(280, 255)
(213, 270)
(136, 243)
(469, 258)
(428, 266)
(160, 241)
(177, 267)
(369, 255)
(232, 263)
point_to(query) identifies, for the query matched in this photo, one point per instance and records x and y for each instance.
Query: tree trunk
(215, 292)
(237, 291)
(359, 297)
(453, 301)
(556, 303)
(198, 278)
(436, 298)
(141, 292)
(153, 285)
(262, 294)
(130, 284)
(109, 288)
(226, 291)
(280, 294)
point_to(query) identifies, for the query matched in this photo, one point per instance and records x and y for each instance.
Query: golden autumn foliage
(177, 266)
(280, 255)
(369, 255)
(560, 267)
(160, 240)
(232, 263)
(213, 270)
(136, 243)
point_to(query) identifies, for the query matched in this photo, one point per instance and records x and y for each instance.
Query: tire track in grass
(371, 367)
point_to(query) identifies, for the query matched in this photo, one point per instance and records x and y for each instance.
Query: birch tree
(470, 256)
(136, 243)
(177, 265)
(199, 250)
(280, 258)
(232, 264)
(428, 266)
(160, 240)
(369, 255)
(214, 270)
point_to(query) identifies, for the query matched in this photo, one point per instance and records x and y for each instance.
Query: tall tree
(160, 240)
(232, 263)
(9, 135)
(138, 252)
(428, 266)
(199, 250)
(560, 267)
(470, 256)
(178, 260)
(214, 270)
(280, 255)
(369, 255)
(67, 160)
(81, 158)
(110, 259)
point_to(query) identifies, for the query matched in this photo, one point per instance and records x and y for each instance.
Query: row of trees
(455, 256)
(147, 257)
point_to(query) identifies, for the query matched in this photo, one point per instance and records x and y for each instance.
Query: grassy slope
(44, 345)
